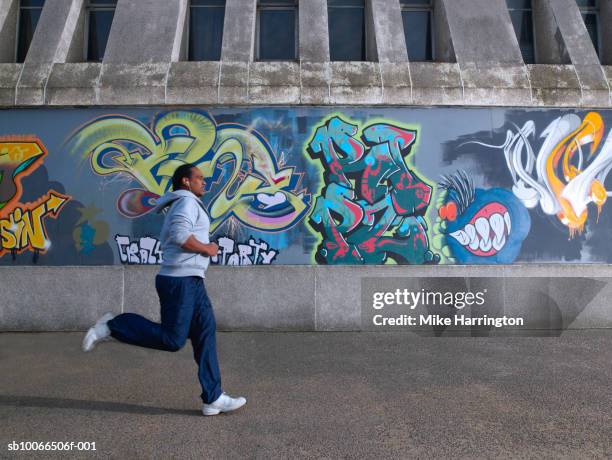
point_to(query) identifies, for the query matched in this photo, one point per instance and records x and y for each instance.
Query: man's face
(196, 182)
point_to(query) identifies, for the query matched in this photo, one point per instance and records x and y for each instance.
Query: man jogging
(186, 310)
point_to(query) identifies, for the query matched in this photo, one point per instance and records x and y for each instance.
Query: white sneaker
(223, 403)
(97, 332)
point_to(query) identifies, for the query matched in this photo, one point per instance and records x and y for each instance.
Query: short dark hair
(181, 172)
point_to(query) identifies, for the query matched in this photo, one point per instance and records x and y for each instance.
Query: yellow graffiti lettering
(260, 192)
(33, 232)
(6, 233)
(24, 228)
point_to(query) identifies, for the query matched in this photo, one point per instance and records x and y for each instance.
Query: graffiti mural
(256, 189)
(310, 185)
(89, 232)
(250, 252)
(22, 225)
(372, 205)
(143, 251)
(568, 171)
(147, 251)
(479, 226)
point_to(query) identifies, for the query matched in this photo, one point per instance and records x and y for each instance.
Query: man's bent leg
(203, 339)
(177, 297)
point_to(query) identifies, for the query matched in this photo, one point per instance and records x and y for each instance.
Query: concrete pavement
(316, 395)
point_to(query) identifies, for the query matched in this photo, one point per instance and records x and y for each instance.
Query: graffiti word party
(250, 253)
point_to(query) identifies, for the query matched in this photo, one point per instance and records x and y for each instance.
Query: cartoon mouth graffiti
(481, 226)
(486, 233)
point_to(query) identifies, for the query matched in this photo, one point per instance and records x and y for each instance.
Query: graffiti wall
(310, 185)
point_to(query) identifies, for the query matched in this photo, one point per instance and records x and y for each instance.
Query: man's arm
(182, 219)
(192, 244)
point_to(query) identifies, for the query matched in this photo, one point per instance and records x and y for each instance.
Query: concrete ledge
(338, 301)
(607, 69)
(299, 298)
(32, 84)
(436, 83)
(58, 298)
(254, 299)
(396, 82)
(315, 80)
(595, 88)
(139, 294)
(244, 83)
(356, 83)
(193, 83)
(234, 83)
(262, 299)
(9, 75)
(555, 85)
(507, 85)
(139, 84)
(73, 84)
(274, 83)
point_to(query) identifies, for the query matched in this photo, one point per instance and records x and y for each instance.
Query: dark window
(417, 16)
(29, 14)
(590, 13)
(277, 30)
(522, 21)
(100, 19)
(206, 29)
(347, 38)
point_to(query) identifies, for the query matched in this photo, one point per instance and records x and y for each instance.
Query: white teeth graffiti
(470, 230)
(498, 227)
(484, 231)
(507, 220)
(485, 234)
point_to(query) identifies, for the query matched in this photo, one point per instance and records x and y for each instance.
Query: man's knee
(174, 343)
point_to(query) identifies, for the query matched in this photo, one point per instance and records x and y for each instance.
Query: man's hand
(214, 249)
(194, 245)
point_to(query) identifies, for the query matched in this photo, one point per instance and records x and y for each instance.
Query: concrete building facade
(478, 65)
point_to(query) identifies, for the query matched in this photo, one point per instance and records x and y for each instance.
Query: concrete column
(8, 29)
(145, 31)
(313, 31)
(443, 41)
(487, 52)
(482, 32)
(239, 31)
(144, 39)
(605, 27)
(9, 70)
(52, 41)
(581, 52)
(180, 48)
(550, 47)
(389, 31)
(54, 33)
(574, 32)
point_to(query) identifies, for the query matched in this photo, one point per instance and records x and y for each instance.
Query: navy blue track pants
(186, 311)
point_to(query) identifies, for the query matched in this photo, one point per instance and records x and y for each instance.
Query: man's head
(188, 177)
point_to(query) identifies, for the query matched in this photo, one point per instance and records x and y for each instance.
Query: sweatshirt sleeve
(182, 217)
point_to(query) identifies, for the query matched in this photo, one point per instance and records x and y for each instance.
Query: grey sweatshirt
(186, 216)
